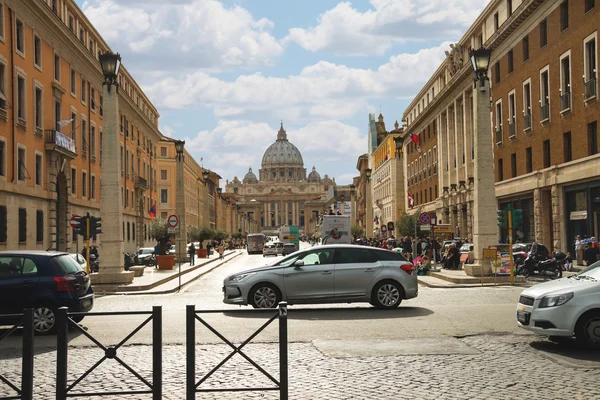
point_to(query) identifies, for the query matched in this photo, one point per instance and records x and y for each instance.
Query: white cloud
(184, 35)
(344, 30)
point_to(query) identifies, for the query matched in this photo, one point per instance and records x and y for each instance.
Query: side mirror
(298, 263)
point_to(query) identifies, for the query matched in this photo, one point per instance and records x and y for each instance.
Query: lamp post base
(112, 278)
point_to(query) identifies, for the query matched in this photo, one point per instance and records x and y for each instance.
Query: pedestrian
(569, 262)
(470, 256)
(192, 252)
(453, 259)
(220, 250)
(579, 250)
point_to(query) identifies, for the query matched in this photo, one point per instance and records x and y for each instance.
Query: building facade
(51, 129)
(282, 194)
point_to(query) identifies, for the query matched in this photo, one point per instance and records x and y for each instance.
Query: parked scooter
(531, 266)
(94, 263)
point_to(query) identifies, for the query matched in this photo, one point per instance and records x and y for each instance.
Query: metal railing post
(27, 366)
(62, 337)
(157, 352)
(283, 351)
(190, 352)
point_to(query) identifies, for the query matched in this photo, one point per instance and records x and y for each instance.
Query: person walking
(220, 250)
(192, 253)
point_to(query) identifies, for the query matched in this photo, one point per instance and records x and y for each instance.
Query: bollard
(156, 353)
(62, 337)
(283, 351)
(27, 366)
(190, 352)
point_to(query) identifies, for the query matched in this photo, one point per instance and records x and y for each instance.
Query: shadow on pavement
(342, 313)
(11, 347)
(567, 349)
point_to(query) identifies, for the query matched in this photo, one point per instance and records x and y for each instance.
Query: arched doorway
(61, 211)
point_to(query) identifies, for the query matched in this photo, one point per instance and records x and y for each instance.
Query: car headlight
(555, 301)
(240, 277)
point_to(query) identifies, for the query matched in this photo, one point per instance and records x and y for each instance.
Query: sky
(224, 74)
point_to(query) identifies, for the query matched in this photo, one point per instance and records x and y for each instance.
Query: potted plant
(200, 234)
(159, 230)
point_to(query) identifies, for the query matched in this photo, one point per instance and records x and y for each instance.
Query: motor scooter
(531, 266)
(94, 263)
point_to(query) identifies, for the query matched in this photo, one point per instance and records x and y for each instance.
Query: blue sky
(224, 73)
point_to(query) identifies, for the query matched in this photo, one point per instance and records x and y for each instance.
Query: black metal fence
(25, 320)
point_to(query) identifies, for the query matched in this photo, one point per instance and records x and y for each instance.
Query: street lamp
(219, 191)
(179, 149)
(398, 144)
(480, 59)
(110, 64)
(368, 173)
(352, 190)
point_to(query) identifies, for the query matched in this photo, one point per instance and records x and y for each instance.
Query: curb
(471, 285)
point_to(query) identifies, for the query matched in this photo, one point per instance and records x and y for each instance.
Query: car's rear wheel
(44, 319)
(387, 295)
(587, 329)
(264, 295)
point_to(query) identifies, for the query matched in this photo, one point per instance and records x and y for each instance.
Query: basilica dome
(250, 177)
(282, 161)
(314, 175)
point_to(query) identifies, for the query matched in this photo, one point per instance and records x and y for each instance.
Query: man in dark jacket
(192, 252)
(453, 257)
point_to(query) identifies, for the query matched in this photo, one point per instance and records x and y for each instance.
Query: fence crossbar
(12, 330)
(12, 386)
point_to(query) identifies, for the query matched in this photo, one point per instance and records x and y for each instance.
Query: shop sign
(578, 215)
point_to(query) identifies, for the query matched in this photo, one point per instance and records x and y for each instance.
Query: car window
(316, 257)
(388, 255)
(350, 256)
(29, 267)
(66, 264)
(11, 267)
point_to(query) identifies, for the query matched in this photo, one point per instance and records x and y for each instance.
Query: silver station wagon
(327, 274)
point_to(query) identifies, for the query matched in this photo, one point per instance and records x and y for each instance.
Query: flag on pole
(64, 122)
(152, 212)
(411, 201)
(415, 139)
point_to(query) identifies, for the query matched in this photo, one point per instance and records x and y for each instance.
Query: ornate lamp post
(180, 198)
(205, 176)
(368, 205)
(111, 201)
(352, 204)
(484, 194)
(398, 145)
(218, 208)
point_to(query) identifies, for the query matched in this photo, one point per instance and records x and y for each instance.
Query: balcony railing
(55, 140)
(544, 112)
(512, 130)
(589, 89)
(141, 183)
(565, 102)
(499, 136)
(527, 122)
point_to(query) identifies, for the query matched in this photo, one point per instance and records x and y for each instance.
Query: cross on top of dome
(281, 135)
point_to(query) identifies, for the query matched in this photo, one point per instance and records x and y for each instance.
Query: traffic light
(517, 218)
(95, 226)
(78, 225)
(502, 222)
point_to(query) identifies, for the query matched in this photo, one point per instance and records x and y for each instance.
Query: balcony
(527, 123)
(565, 103)
(3, 114)
(62, 144)
(499, 137)
(544, 113)
(589, 89)
(141, 183)
(512, 130)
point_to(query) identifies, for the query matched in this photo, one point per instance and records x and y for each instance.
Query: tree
(357, 231)
(202, 233)
(405, 226)
(220, 236)
(159, 231)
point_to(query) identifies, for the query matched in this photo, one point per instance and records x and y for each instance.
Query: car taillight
(407, 268)
(63, 284)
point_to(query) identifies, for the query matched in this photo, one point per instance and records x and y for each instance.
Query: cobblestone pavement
(501, 367)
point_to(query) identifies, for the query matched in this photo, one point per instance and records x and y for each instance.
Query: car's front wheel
(264, 295)
(387, 295)
(44, 320)
(587, 330)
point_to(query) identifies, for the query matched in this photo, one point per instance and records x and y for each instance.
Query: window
(592, 129)
(567, 146)
(83, 184)
(525, 48)
(81, 35)
(512, 117)
(93, 142)
(564, 15)
(57, 118)
(499, 121)
(544, 94)
(39, 226)
(38, 169)
(83, 90)
(500, 170)
(565, 83)
(547, 153)
(39, 110)
(101, 101)
(57, 67)
(497, 72)
(128, 232)
(73, 82)
(73, 181)
(511, 66)
(589, 4)
(528, 160)
(1, 20)
(93, 187)
(37, 51)
(527, 105)
(513, 165)
(21, 104)
(589, 68)
(93, 99)
(163, 151)
(3, 216)
(22, 225)
(509, 7)
(543, 33)
(71, 24)
(73, 125)
(20, 41)
(2, 158)
(21, 164)
(163, 174)
(496, 22)
(3, 92)
(164, 196)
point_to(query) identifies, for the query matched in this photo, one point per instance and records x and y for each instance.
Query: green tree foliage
(202, 233)
(405, 226)
(357, 231)
(159, 231)
(220, 235)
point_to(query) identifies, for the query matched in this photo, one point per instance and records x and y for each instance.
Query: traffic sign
(425, 218)
(73, 222)
(433, 221)
(172, 230)
(173, 220)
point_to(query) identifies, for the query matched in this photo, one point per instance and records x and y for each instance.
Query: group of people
(218, 246)
(586, 249)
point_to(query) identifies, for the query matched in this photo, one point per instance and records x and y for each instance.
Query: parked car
(145, 256)
(288, 248)
(279, 248)
(172, 250)
(520, 251)
(45, 281)
(564, 307)
(80, 260)
(361, 274)
(269, 250)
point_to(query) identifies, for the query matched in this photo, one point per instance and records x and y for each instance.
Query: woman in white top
(579, 250)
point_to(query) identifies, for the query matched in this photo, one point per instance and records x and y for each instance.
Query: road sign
(171, 229)
(433, 221)
(173, 221)
(443, 229)
(72, 222)
(425, 218)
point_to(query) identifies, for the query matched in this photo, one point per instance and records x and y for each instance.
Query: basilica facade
(282, 194)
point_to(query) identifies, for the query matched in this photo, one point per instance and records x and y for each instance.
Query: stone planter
(201, 253)
(476, 270)
(165, 262)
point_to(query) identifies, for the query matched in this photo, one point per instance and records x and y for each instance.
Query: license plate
(523, 317)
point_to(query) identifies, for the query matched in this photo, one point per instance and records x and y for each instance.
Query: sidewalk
(157, 281)
(444, 278)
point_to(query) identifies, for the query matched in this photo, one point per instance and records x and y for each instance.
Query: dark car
(520, 251)
(44, 281)
(289, 248)
(145, 256)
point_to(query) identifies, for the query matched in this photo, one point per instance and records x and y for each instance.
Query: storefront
(582, 217)
(526, 233)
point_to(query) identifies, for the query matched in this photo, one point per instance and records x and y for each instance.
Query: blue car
(44, 281)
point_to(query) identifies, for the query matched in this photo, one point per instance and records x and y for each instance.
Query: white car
(80, 260)
(269, 250)
(564, 307)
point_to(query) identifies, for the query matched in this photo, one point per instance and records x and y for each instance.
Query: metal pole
(157, 353)
(27, 366)
(87, 242)
(283, 351)
(510, 244)
(432, 248)
(62, 338)
(190, 352)
(180, 247)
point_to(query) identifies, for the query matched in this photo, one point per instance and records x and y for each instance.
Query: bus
(290, 234)
(255, 243)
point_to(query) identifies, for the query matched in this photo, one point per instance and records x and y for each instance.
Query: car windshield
(67, 264)
(146, 251)
(591, 272)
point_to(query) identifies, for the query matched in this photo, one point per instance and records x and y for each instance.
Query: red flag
(152, 212)
(414, 138)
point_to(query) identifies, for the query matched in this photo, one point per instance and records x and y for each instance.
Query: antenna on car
(48, 249)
